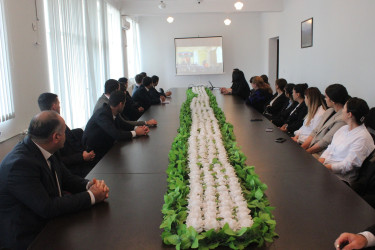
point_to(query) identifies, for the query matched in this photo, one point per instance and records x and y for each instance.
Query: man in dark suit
(33, 181)
(155, 82)
(73, 154)
(132, 109)
(106, 126)
(138, 82)
(356, 241)
(143, 97)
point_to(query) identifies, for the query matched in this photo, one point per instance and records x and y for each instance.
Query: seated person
(105, 126)
(279, 119)
(351, 144)
(143, 96)
(260, 96)
(295, 119)
(315, 111)
(132, 110)
(336, 96)
(138, 82)
(279, 99)
(357, 241)
(155, 82)
(112, 85)
(34, 182)
(239, 85)
(73, 154)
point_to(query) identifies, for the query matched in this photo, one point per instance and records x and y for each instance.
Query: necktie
(53, 162)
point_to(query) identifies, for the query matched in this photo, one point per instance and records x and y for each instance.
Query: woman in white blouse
(315, 110)
(351, 144)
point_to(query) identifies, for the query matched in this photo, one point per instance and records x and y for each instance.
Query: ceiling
(150, 7)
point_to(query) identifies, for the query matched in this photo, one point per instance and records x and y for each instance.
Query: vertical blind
(79, 57)
(6, 95)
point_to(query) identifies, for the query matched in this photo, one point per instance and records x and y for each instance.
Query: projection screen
(199, 55)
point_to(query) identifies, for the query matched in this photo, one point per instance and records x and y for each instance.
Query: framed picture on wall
(307, 33)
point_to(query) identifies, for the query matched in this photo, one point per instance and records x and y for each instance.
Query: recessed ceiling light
(238, 5)
(227, 21)
(170, 19)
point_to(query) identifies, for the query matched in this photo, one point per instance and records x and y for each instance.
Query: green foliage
(175, 205)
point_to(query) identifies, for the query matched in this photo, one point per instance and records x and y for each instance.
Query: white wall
(28, 63)
(241, 42)
(343, 44)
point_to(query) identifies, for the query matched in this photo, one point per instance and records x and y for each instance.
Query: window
(81, 54)
(116, 66)
(133, 51)
(6, 96)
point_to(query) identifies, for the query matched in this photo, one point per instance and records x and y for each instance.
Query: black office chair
(365, 184)
(370, 122)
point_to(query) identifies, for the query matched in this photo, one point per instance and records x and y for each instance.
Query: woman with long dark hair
(239, 85)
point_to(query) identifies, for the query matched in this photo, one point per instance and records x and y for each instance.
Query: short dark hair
(358, 108)
(281, 83)
(301, 88)
(123, 79)
(46, 100)
(43, 125)
(154, 79)
(116, 97)
(138, 78)
(147, 81)
(337, 93)
(110, 86)
(144, 74)
(265, 78)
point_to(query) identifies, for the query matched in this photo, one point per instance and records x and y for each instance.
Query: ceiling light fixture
(238, 5)
(227, 21)
(162, 5)
(170, 19)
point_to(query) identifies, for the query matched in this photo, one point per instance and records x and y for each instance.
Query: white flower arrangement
(215, 196)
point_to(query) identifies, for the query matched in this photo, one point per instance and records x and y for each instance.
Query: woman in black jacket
(296, 117)
(280, 118)
(239, 85)
(279, 99)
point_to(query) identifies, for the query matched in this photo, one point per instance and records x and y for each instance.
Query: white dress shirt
(370, 238)
(306, 130)
(348, 150)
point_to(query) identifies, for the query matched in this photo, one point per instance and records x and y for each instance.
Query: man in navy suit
(143, 96)
(105, 126)
(33, 181)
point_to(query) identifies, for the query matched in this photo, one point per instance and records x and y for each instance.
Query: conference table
(312, 206)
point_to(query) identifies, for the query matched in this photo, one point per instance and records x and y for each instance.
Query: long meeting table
(312, 206)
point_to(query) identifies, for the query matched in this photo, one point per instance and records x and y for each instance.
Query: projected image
(201, 60)
(198, 56)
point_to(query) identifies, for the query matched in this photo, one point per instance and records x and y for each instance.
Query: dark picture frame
(307, 33)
